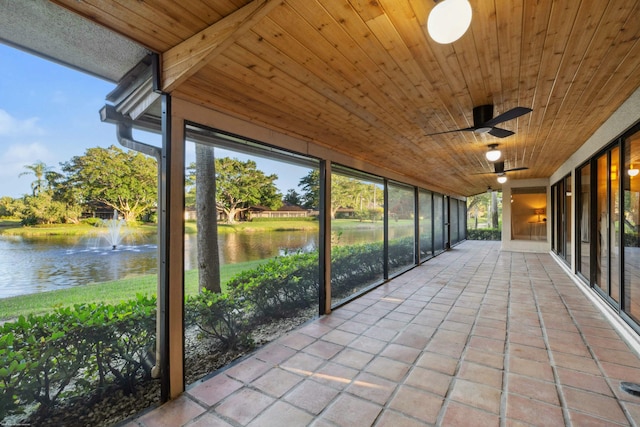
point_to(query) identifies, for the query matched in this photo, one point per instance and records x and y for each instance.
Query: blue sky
(49, 113)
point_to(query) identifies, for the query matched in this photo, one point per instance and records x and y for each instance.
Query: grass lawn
(108, 292)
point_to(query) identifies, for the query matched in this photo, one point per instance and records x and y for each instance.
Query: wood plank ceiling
(363, 78)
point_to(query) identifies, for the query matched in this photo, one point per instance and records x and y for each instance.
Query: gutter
(124, 134)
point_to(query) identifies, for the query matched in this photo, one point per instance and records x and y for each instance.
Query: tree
(206, 211)
(39, 169)
(310, 185)
(122, 180)
(292, 197)
(241, 185)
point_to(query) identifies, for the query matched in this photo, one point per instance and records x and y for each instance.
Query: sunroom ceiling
(363, 78)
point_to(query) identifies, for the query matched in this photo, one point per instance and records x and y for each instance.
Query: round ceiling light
(449, 20)
(493, 154)
(502, 178)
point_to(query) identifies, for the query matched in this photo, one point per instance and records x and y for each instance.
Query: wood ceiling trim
(187, 58)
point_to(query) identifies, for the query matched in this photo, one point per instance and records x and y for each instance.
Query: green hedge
(75, 351)
(290, 218)
(484, 234)
(88, 349)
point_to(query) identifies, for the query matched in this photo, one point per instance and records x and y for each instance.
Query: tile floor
(474, 336)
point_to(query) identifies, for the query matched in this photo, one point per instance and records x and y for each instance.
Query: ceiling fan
(498, 169)
(484, 122)
(501, 172)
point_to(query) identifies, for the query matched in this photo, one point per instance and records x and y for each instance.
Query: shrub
(71, 351)
(221, 316)
(484, 234)
(279, 287)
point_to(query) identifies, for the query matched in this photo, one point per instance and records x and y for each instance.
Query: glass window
(426, 224)
(583, 217)
(529, 213)
(357, 231)
(567, 218)
(401, 226)
(438, 223)
(455, 238)
(631, 180)
(602, 225)
(614, 225)
(251, 245)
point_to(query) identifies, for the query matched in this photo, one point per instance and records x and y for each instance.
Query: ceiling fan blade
(508, 115)
(516, 169)
(500, 133)
(450, 131)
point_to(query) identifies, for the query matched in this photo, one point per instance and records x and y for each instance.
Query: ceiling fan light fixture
(502, 178)
(449, 20)
(633, 171)
(493, 154)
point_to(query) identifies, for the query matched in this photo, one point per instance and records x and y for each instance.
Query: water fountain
(116, 230)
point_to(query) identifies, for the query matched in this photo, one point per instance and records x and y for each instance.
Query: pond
(31, 265)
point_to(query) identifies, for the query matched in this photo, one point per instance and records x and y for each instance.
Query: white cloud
(11, 126)
(13, 159)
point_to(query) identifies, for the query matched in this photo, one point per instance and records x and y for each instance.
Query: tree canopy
(240, 185)
(123, 180)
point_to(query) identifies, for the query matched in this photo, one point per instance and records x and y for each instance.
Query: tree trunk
(494, 210)
(206, 215)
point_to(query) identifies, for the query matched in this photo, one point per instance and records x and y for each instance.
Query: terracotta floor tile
(248, 370)
(530, 368)
(584, 381)
(438, 362)
(462, 415)
(492, 360)
(215, 389)
(174, 413)
(275, 353)
(323, 349)
(417, 403)
(281, 414)
(390, 418)
(302, 364)
(577, 363)
(487, 344)
(477, 395)
(276, 382)
(315, 329)
(533, 388)
(599, 405)
(334, 375)
(528, 352)
(339, 337)
(400, 317)
(532, 412)
(353, 358)
(372, 388)
(350, 411)
(416, 337)
(368, 344)
(480, 374)
(387, 368)
(429, 380)
(353, 327)
(244, 405)
(400, 353)
(296, 340)
(377, 332)
(209, 420)
(311, 396)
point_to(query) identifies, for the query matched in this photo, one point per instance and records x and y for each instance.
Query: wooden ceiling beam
(187, 58)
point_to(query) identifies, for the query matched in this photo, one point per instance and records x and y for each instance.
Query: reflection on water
(44, 264)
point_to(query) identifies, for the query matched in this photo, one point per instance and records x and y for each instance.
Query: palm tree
(40, 170)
